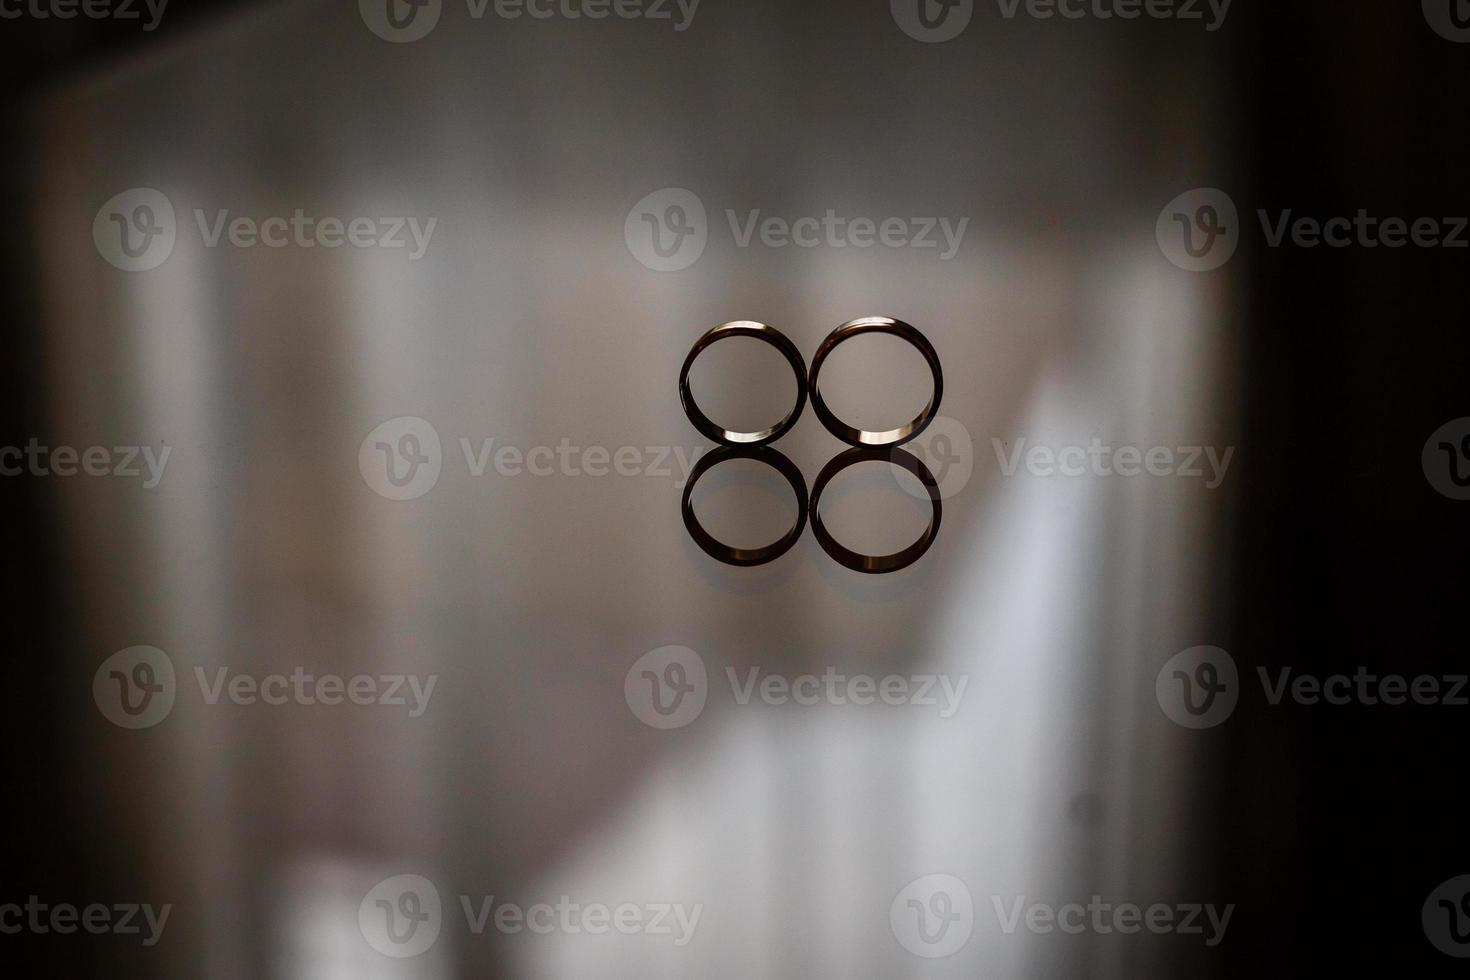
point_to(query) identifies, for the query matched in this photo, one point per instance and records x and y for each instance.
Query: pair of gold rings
(867, 445)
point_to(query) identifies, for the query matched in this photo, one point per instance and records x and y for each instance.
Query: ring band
(760, 331)
(729, 554)
(874, 564)
(890, 437)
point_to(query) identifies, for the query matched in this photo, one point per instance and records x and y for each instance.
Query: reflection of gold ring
(874, 564)
(891, 437)
(746, 556)
(760, 331)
